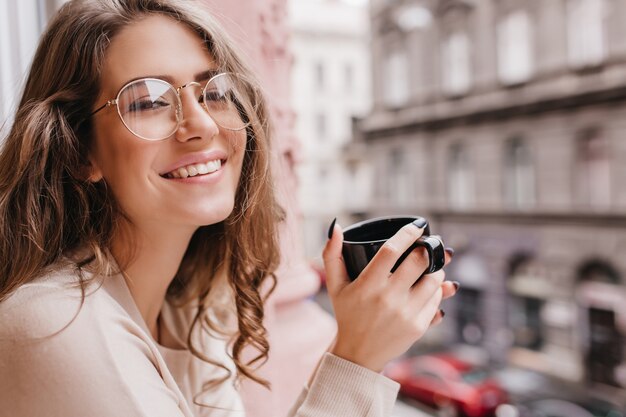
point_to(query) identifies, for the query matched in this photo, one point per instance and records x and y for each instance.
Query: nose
(196, 122)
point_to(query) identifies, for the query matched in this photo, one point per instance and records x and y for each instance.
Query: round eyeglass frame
(179, 104)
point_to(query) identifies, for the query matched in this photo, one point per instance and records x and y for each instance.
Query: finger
(449, 254)
(427, 312)
(336, 275)
(411, 268)
(427, 286)
(438, 318)
(406, 275)
(449, 288)
(384, 260)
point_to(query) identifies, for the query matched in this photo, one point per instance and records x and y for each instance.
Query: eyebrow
(200, 76)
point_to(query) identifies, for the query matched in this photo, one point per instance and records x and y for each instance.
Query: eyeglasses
(151, 108)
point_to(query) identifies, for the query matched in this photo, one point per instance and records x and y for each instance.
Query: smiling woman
(138, 221)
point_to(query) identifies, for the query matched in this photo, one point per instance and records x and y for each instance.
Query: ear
(93, 173)
(94, 178)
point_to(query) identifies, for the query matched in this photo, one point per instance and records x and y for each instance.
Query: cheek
(114, 160)
(105, 149)
(121, 158)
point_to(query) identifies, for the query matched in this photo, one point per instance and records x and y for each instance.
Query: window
(527, 325)
(413, 16)
(515, 51)
(604, 353)
(519, 186)
(586, 32)
(599, 271)
(382, 182)
(322, 181)
(320, 76)
(461, 178)
(469, 327)
(593, 179)
(399, 178)
(323, 174)
(348, 71)
(395, 83)
(525, 320)
(320, 126)
(527, 283)
(456, 64)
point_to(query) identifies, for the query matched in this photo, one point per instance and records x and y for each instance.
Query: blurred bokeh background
(504, 123)
(501, 121)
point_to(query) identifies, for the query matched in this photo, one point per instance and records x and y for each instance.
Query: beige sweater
(106, 364)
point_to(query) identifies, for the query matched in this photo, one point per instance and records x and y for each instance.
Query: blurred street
(404, 409)
(523, 388)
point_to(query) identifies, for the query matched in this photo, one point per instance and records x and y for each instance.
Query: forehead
(154, 46)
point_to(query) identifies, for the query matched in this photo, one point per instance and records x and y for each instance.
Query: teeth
(196, 169)
(202, 169)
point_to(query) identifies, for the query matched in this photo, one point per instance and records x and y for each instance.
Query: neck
(154, 263)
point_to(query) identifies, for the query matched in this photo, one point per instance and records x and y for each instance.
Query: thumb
(336, 275)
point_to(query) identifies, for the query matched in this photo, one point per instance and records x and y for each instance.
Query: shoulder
(49, 303)
(71, 307)
(78, 351)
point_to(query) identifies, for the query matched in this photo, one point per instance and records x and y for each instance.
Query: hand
(380, 315)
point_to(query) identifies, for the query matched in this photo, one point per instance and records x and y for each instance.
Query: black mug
(362, 240)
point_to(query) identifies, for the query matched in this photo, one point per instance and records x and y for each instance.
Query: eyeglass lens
(150, 108)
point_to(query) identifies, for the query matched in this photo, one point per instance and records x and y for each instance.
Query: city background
(501, 121)
(504, 123)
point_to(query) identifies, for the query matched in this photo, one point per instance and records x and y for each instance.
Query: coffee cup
(363, 240)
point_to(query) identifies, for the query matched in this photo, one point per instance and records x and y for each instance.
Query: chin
(212, 217)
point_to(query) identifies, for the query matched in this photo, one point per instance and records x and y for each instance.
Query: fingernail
(450, 252)
(457, 285)
(420, 223)
(331, 228)
(443, 313)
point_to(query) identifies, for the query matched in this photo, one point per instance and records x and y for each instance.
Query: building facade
(504, 122)
(330, 84)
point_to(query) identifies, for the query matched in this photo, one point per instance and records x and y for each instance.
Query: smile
(194, 170)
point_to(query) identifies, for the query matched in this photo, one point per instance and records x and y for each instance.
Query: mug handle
(436, 253)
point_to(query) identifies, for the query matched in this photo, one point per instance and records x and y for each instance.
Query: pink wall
(299, 330)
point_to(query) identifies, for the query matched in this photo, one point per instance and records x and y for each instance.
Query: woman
(138, 225)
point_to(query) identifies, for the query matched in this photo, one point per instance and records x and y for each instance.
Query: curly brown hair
(49, 210)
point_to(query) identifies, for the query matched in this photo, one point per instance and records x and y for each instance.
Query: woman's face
(139, 172)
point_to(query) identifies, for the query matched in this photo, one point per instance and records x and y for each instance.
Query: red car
(446, 382)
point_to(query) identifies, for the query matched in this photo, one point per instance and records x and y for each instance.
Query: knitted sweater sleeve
(342, 388)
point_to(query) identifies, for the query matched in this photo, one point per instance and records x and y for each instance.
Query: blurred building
(504, 122)
(330, 84)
